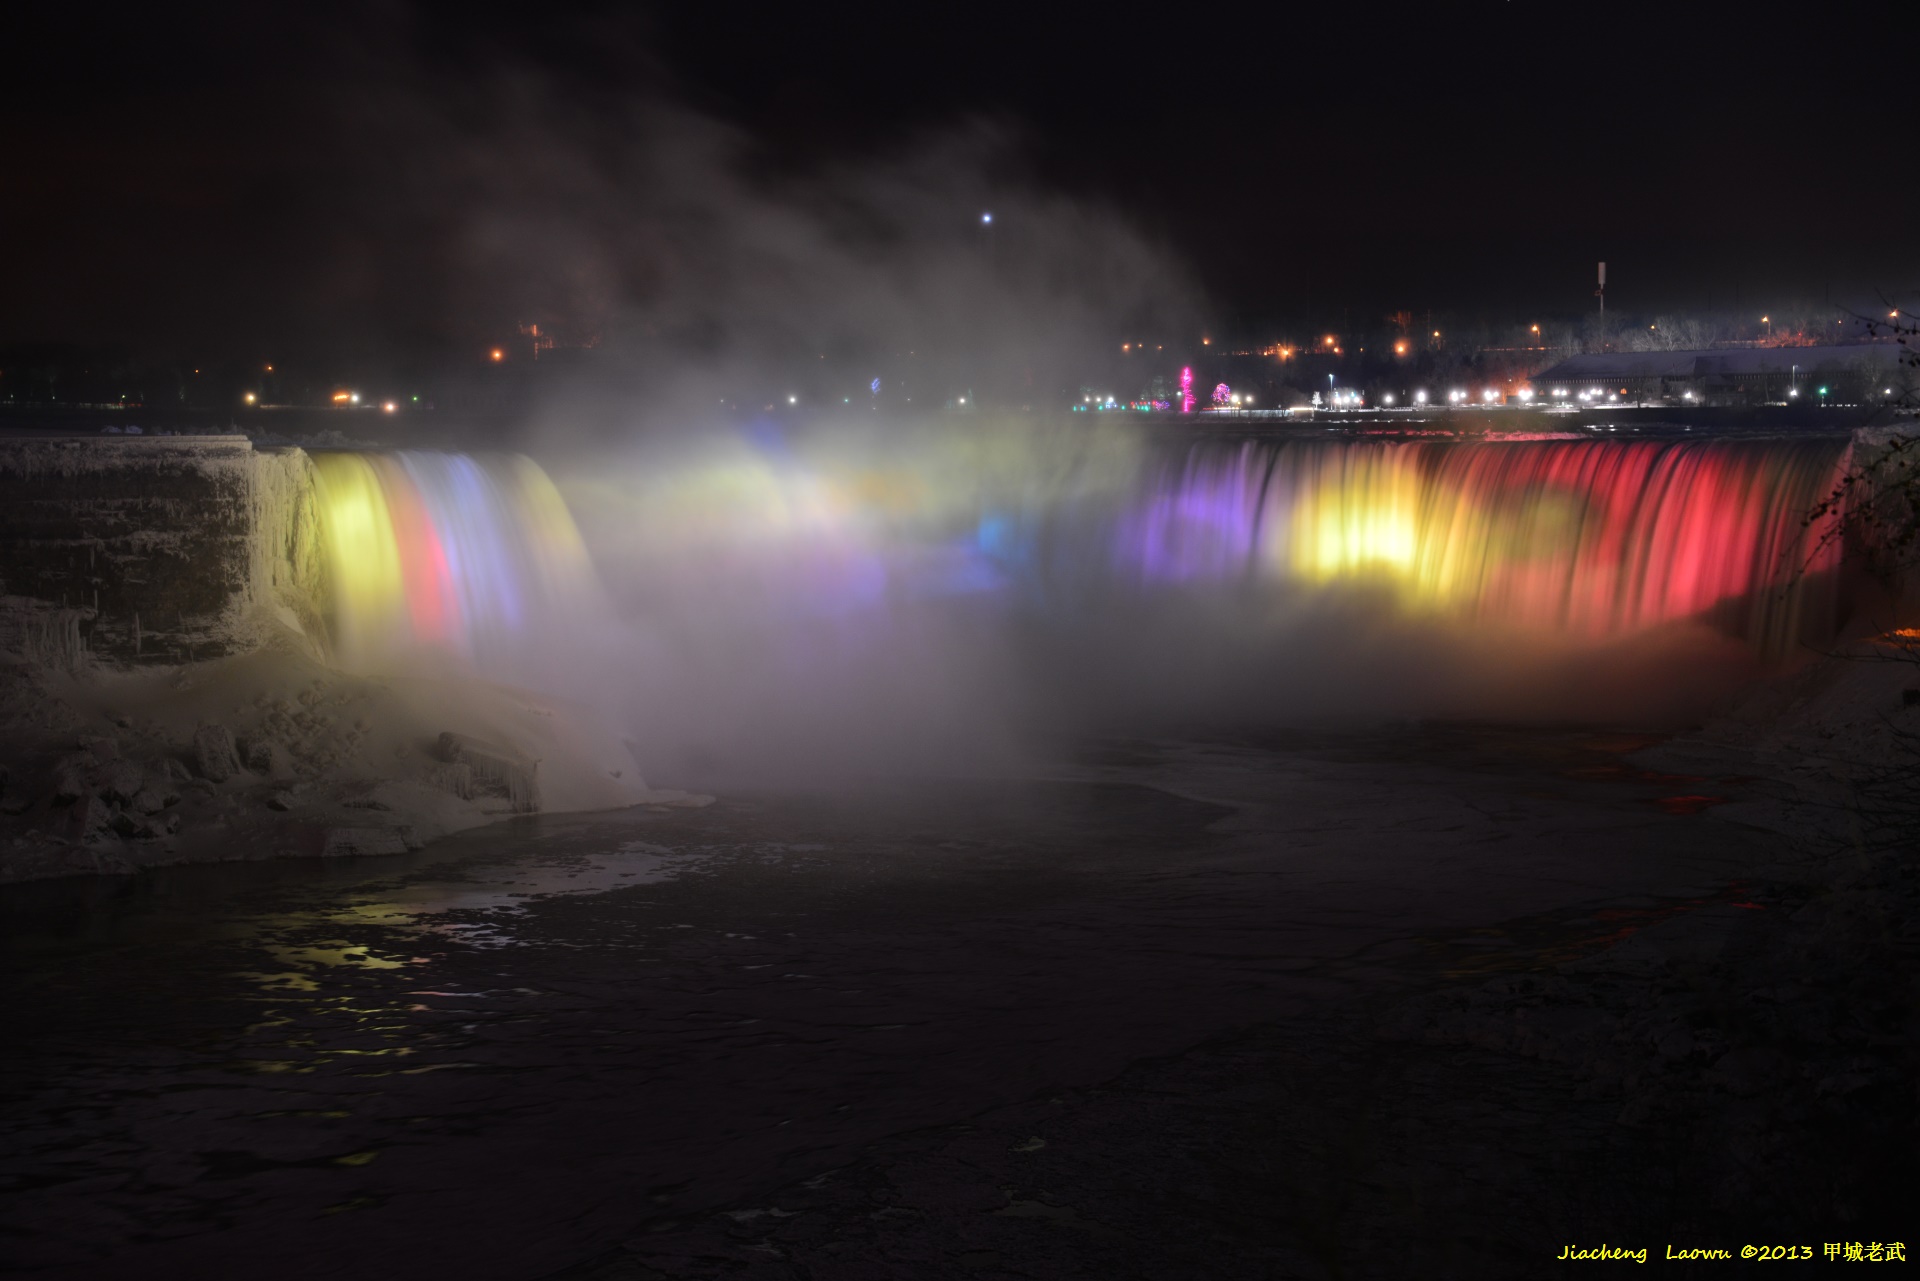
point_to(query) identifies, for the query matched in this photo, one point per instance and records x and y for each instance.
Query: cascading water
(880, 597)
(447, 556)
(1590, 539)
(466, 557)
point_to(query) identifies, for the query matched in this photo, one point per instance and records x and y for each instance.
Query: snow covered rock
(151, 800)
(264, 756)
(214, 754)
(501, 771)
(121, 780)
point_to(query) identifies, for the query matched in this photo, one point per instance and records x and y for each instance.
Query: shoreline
(273, 754)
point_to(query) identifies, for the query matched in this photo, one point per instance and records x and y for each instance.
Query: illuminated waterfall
(445, 556)
(477, 561)
(1595, 539)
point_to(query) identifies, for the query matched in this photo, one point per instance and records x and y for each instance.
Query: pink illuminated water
(1588, 538)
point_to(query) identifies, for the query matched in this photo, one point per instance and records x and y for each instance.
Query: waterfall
(1592, 539)
(446, 556)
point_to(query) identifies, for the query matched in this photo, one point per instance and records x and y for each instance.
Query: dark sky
(201, 178)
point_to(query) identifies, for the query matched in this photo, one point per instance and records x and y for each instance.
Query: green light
(1823, 391)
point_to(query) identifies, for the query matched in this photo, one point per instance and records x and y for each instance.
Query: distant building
(1859, 373)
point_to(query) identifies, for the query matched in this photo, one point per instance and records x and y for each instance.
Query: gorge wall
(136, 551)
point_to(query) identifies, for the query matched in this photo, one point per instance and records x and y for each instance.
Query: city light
(390, 407)
(986, 220)
(1489, 395)
(249, 398)
(1526, 394)
(496, 355)
(341, 397)
(1419, 397)
(1387, 399)
(793, 400)
(1400, 348)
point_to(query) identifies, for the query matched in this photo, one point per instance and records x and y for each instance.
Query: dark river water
(498, 1056)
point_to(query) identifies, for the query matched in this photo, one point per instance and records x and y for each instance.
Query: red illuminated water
(1592, 538)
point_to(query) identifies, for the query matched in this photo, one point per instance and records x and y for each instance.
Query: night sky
(263, 177)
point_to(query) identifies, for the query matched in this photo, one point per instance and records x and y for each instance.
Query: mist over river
(1105, 821)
